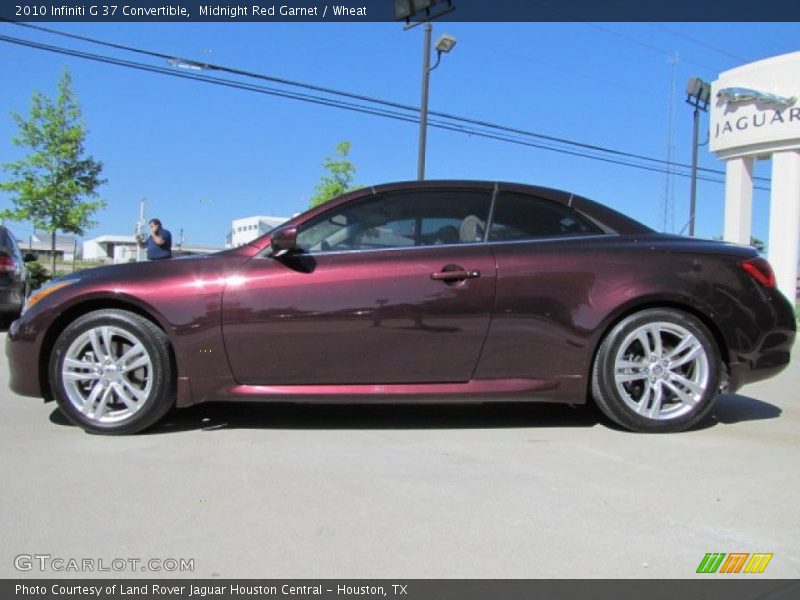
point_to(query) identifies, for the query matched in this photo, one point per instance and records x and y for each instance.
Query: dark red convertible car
(433, 291)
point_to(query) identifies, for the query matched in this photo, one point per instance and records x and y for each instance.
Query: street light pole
(698, 93)
(693, 193)
(423, 110)
(424, 11)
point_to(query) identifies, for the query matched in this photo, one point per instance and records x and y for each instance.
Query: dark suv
(14, 276)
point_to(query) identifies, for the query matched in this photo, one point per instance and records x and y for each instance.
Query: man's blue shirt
(156, 252)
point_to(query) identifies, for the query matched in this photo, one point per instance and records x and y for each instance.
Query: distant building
(115, 249)
(189, 250)
(40, 243)
(245, 230)
(111, 249)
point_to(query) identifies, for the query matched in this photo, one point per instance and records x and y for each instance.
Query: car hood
(160, 268)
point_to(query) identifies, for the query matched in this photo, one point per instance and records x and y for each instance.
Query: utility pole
(668, 223)
(140, 228)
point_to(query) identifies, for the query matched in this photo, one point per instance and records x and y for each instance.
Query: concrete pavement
(495, 491)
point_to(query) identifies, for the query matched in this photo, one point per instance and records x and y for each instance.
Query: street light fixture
(698, 93)
(422, 10)
(445, 43)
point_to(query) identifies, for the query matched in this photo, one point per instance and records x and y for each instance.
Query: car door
(396, 288)
(546, 280)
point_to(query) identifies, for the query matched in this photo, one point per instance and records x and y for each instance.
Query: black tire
(687, 391)
(149, 389)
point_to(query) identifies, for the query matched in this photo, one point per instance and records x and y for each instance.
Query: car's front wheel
(657, 370)
(111, 372)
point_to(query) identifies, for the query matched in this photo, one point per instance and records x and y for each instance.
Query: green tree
(49, 185)
(339, 177)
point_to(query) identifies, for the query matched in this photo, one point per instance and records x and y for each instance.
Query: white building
(245, 230)
(111, 249)
(40, 243)
(115, 249)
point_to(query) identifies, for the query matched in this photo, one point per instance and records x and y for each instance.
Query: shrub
(39, 274)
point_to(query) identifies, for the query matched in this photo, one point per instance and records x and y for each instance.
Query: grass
(66, 267)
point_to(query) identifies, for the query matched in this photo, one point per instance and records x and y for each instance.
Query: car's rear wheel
(111, 372)
(657, 370)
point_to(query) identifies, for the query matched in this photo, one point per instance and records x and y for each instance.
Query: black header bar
(358, 11)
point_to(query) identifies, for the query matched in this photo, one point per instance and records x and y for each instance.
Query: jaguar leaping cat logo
(735, 95)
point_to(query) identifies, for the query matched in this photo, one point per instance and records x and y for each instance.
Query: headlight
(46, 291)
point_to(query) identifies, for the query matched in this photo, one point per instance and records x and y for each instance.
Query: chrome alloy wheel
(107, 374)
(661, 370)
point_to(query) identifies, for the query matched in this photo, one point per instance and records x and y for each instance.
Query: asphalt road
(494, 491)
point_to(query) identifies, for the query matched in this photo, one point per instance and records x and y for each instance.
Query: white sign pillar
(738, 199)
(755, 114)
(784, 220)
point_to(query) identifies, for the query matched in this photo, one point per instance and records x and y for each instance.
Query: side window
(523, 217)
(399, 220)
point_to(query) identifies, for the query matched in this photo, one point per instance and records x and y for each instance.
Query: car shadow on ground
(736, 408)
(214, 416)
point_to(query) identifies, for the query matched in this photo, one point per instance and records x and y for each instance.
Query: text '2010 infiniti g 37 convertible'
(425, 291)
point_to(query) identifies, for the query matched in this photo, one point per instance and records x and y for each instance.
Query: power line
(203, 78)
(613, 84)
(647, 45)
(699, 42)
(364, 98)
(637, 16)
(456, 127)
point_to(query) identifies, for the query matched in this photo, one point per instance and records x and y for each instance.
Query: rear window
(524, 217)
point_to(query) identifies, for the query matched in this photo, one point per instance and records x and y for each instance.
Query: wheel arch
(78, 310)
(655, 303)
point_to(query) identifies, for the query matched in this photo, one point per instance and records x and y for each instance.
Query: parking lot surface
(472, 491)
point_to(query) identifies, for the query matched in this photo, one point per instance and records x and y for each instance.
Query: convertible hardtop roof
(605, 216)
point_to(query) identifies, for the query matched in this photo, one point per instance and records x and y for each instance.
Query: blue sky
(204, 155)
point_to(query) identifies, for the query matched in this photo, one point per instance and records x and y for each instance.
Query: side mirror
(28, 257)
(283, 241)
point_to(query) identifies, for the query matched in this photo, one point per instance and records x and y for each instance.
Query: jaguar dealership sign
(755, 114)
(771, 119)
(757, 104)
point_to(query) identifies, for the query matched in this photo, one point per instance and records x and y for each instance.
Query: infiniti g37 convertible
(433, 291)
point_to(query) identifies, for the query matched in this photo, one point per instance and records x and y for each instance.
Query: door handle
(455, 275)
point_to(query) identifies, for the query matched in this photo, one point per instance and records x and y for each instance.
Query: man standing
(158, 244)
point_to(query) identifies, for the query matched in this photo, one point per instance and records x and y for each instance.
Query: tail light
(759, 269)
(6, 263)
